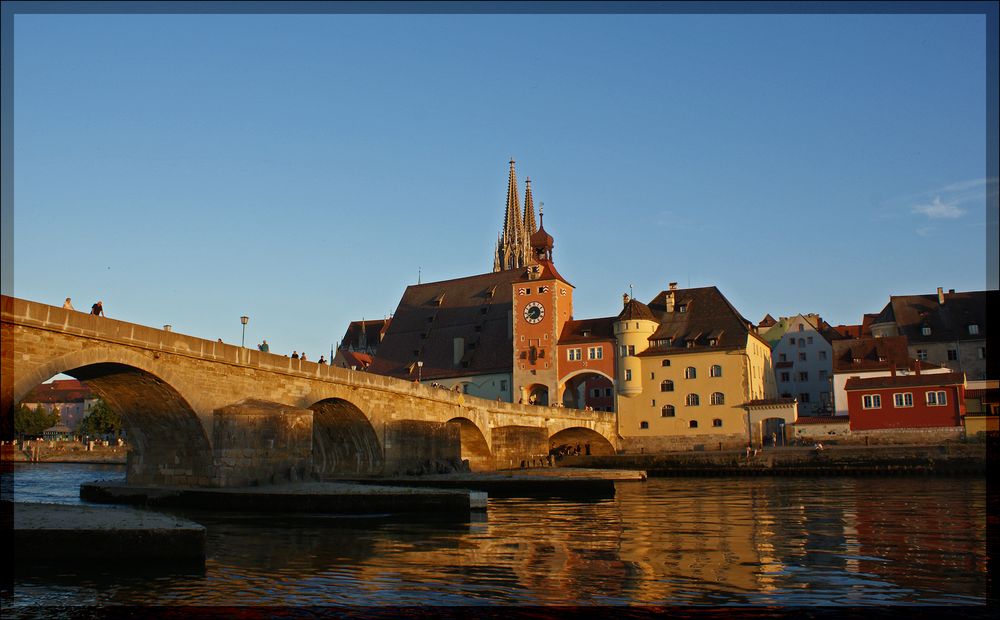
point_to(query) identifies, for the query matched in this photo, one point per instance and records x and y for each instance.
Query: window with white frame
(902, 399)
(667, 411)
(595, 353)
(871, 401)
(974, 329)
(922, 355)
(718, 398)
(692, 400)
(574, 354)
(926, 330)
(690, 372)
(937, 399)
(666, 385)
(715, 371)
(628, 374)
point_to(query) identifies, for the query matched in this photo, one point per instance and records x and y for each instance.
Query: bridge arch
(344, 440)
(576, 390)
(589, 441)
(167, 439)
(475, 449)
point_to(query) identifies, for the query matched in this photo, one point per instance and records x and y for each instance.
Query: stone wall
(414, 447)
(259, 443)
(517, 446)
(702, 443)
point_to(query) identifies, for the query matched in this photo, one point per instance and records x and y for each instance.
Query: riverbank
(64, 452)
(948, 459)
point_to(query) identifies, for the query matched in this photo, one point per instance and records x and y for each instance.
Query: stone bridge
(203, 413)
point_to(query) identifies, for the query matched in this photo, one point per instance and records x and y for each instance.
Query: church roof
(432, 316)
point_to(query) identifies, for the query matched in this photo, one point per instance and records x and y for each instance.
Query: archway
(167, 442)
(474, 446)
(772, 432)
(588, 389)
(579, 440)
(537, 394)
(344, 442)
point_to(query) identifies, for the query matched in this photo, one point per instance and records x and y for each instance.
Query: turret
(633, 327)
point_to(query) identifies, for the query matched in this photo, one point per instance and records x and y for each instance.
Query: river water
(780, 541)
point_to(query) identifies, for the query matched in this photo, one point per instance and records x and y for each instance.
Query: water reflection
(756, 541)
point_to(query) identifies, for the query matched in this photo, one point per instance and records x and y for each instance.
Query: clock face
(534, 312)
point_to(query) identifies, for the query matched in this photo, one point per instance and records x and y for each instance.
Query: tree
(32, 422)
(102, 420)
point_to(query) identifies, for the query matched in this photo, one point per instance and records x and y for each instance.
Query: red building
(906, 401)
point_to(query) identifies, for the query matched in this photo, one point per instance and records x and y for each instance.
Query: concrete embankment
(88, 534)
(306, 497)
(560, 483)
(950, 459)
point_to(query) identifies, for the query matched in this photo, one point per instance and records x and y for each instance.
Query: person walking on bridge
(263, 347)
(68, 304)
(97, 309)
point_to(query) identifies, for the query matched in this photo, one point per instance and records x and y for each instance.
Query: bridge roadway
(203, 413)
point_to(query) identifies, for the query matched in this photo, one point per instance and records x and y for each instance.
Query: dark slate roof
(708, 314)
(767, 321)
(373, 331)
(599, 329)
(903, 381)
(429, 318)
(635, 310)
(769, 402)
(948, 321)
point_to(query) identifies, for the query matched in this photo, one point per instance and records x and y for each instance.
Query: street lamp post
(244, 320)
(420, 369)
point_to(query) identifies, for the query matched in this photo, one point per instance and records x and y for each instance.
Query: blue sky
(300, 169)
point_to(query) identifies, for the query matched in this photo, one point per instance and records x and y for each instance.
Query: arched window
(666, 385)
(716, 371)
(690, 372)
(718, 398)
(693, 424)
(666, 363)
(691, 400)
(667, 411)
(717, 422)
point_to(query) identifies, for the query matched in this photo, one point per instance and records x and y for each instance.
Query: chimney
(892, 369)
(916, 367)
(940, 295)
(671, 297)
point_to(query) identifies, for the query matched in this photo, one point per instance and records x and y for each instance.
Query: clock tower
(542, 303)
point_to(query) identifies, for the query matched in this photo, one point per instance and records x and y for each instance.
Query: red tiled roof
(599, 330)
(872, 354)
(59, 391)
(871, 383)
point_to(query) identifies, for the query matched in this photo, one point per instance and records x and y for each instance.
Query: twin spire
(513, 248)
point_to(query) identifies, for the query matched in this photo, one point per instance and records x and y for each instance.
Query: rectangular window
(871, 401)
(925, 330)
(503, 385)
(804, 397)
(631, 349)
(822, 355)
(802, 357)
(785, 377)
(782, 358)
(982, 353)
(791, 340)
(904, 399)
(823, 375)
(607, 393)
(652, 376)
(595, 353)
(922, 355)
(597, 392)
(652, 402)
(952, 355)
(974, 329)
(628, 374)
(643, 424)
(803, 376)
(809, 339)
(573, 354)
(937, 399)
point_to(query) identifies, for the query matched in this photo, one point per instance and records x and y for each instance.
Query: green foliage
(102, 421)
(31, 422)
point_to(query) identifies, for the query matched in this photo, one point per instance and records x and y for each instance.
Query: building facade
(906, 401)
(802, 358)
(71, 398)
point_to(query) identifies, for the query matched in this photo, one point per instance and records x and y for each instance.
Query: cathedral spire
(529, 210)
(512, 218)
(513, 249)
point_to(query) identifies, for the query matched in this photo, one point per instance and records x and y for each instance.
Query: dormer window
(713, 342)
(974, 329)
(586, 333)
(682, 308)
(926, 330)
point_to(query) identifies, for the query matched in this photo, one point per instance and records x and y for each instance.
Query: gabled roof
(365, 334)
(948, 321)
(902, 381)
(870, 353)
(708, 314)
(767, 321)
(431, 316)
(588, 330)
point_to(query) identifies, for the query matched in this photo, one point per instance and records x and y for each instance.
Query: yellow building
(688, 363)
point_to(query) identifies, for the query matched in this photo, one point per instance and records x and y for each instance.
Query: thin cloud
(938, 210)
